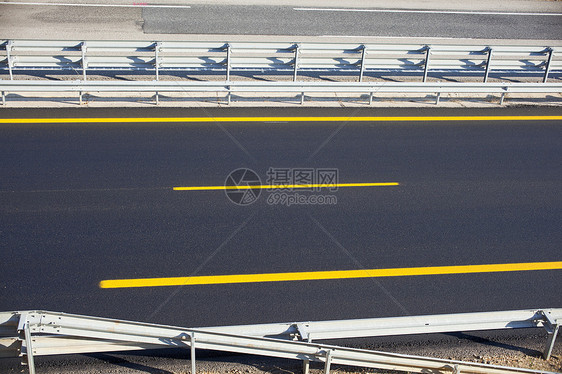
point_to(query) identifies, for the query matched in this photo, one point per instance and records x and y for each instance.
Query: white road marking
(133, 5)
(425, 11)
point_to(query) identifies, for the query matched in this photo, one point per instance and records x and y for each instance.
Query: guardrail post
(363, 55)
(328, 361)
(547, 69)
(3, 98)
(306, 363)
(9, 56)
(157, 50)
(437, 98)
(80, 97)
(84, 62)
(297, 55)
(302, 98)
(29, 348)
(552, 328)
(192, 357)
(426, 65)
(489, 50)
(370, 98)
(228, 52)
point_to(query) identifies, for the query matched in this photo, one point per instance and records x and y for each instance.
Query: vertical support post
(426, 67)
(502, 98)
(157, 50)
(29, 348)
(456, 370)
(488, 64)
(437, 98)
(552, 328)
(306, 363)
(363, 56)
(328, 361)
(229, 95)
(9, 56)
(228, 57)
(3, 98)
(302, 98)
(297, 55)
(550, 341)
(80, 94)
(370, 98)
(192, 356)
(547, 69)
(84, 48)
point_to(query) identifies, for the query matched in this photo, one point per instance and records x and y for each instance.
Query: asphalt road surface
(82, 203)
(133, 20)
(277, 20)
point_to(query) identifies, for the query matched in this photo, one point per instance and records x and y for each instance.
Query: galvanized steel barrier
(36, 333)
(85, 58)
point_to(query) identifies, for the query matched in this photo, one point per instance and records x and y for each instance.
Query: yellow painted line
(319, 275)
(285, 186)
(274, 119)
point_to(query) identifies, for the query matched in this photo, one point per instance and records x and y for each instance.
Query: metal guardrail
(36, 333)
(163, 56)
(159, 58)
(229, 88)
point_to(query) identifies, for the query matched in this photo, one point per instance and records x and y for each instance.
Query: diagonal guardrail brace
(552, 328)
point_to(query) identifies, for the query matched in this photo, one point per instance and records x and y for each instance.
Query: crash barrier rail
(36, 333)
(161, 57)
(371, 89)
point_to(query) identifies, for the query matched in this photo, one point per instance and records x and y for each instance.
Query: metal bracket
(302, 329)
(552, 328)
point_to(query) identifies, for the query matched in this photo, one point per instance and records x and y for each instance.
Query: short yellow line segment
(285, 186)
(274, 119)
(323, 275)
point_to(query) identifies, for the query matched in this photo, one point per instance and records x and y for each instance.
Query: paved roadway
(279, 20)
(201, 21)
(81, 203)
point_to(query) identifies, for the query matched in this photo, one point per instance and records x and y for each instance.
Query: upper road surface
(72, 19)
(82, 203)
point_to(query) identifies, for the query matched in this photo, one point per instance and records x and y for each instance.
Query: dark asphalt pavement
(80, 203)
(284, 20)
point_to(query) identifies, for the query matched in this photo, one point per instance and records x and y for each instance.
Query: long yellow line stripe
(282, 186)
(277, 119)
(320, 275)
